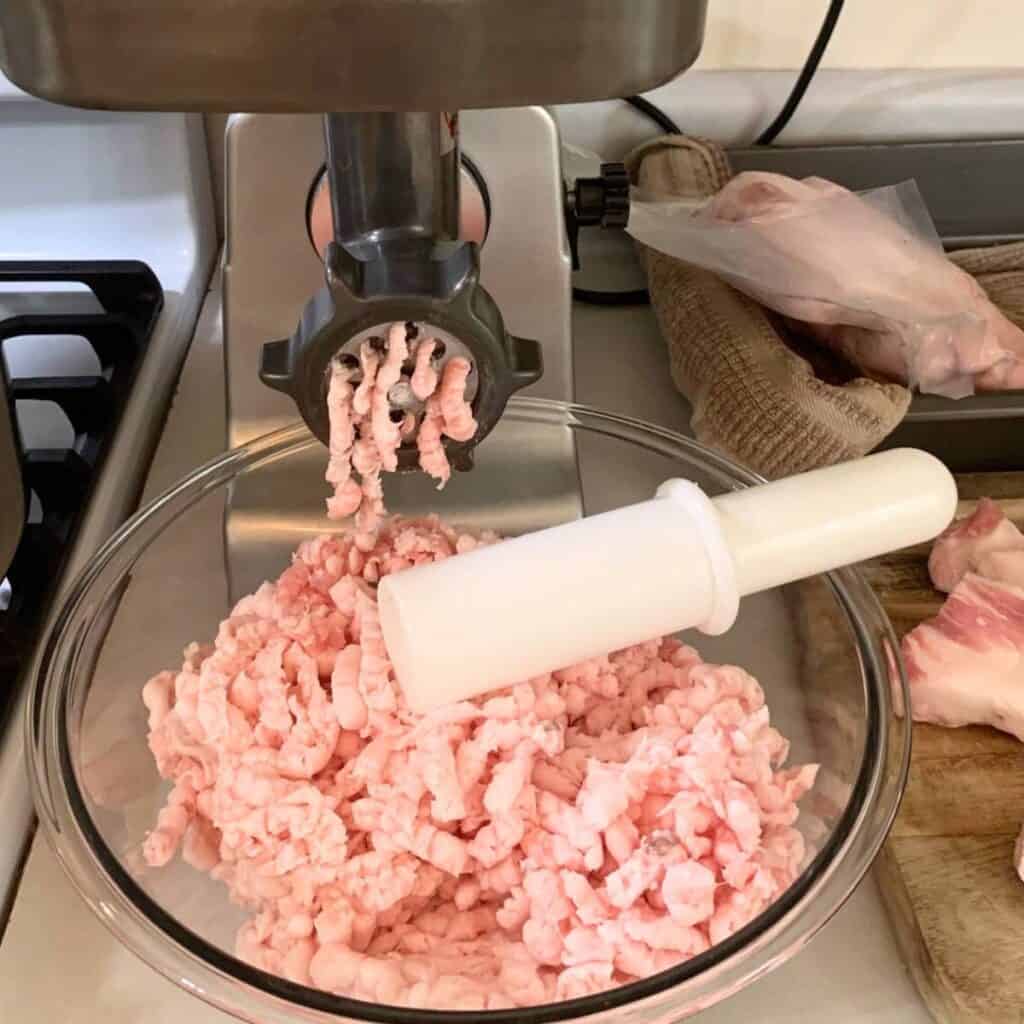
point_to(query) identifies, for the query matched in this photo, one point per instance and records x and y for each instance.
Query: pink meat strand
(424, 376)
(363, 398)
(364, 439)
(459, 423)
(386, 434)
(433, 458)
(347, 493)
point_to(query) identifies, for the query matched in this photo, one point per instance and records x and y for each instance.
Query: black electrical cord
(656, 114)
(769, 135)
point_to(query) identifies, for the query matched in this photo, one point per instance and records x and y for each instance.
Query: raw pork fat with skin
(985, 542)
(565, 836)
(966, 666)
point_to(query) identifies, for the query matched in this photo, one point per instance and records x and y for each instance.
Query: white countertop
(58, 962)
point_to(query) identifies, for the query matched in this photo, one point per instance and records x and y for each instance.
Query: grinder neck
(394, 177)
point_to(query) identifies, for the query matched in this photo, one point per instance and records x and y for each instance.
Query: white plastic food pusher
(517, 609)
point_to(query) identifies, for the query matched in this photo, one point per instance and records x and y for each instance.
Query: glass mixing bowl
(823, 651)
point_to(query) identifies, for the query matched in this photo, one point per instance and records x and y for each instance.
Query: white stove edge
(105, 186)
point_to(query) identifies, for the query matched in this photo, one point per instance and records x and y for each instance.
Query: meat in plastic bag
(863, 273)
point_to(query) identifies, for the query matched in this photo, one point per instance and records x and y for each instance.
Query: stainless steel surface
(979, 434)
(306, 56)
(392, 176)
(972, 190)
(271, 269)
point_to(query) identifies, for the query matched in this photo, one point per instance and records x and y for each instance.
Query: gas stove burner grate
(45, 490)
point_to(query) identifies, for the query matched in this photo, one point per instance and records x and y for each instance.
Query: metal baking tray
(981, 434)
(972, 190)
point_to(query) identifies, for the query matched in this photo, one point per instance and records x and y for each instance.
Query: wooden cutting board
(946, 872)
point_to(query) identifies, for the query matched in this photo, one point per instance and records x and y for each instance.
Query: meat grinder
(397, 162)
(391, 77)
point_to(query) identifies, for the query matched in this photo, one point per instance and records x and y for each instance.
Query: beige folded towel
(754, 395)
(999, 270)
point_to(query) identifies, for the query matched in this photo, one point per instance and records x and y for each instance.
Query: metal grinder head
(432, 287)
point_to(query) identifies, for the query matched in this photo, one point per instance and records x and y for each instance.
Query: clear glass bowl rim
(233, 986)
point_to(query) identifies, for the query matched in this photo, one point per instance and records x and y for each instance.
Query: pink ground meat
(571, 834)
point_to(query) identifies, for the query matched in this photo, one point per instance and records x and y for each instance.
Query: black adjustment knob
(602, 201)
(616, 196)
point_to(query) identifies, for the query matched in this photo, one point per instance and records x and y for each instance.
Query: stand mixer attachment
(396, 258)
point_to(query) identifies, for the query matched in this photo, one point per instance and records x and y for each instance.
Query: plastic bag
(864, 273)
